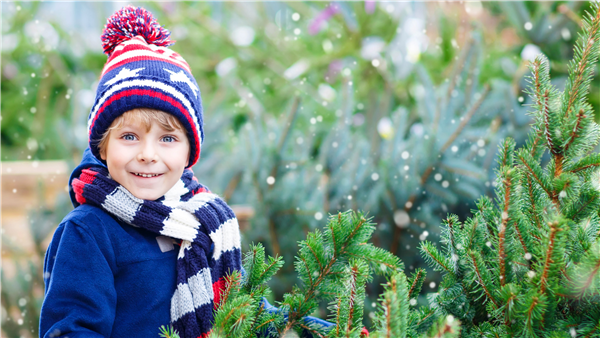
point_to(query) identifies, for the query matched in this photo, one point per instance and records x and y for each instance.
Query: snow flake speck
(401, 218)
(270, 180)
(405, 155)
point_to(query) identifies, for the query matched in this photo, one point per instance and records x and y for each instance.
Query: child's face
(158, 154)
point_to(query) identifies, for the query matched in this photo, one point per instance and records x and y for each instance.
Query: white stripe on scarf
(196, 292)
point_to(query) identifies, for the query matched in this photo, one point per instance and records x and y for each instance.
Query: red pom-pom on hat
(129, 22)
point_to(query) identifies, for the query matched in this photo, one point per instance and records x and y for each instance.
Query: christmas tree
(524, 265)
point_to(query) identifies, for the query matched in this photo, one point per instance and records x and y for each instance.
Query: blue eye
(169, 139)
(128, 137)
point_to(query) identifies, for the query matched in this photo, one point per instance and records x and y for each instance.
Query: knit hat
(141, 72)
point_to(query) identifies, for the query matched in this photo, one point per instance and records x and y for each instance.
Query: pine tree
(524, 265)
(527, 264)
(338, 255)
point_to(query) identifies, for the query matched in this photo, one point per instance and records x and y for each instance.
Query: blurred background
(392, 108)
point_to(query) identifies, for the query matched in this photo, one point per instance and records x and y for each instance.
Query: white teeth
(146, 175)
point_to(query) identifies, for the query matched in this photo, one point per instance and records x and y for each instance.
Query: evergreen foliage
(527, 263)
(333, 265)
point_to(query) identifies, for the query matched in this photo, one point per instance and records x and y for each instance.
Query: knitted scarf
(190, 212)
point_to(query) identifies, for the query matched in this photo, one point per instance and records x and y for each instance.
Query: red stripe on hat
(145, 58)
(151, 93)
(141, 45)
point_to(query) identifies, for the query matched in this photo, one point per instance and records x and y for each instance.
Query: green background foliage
(396, 109)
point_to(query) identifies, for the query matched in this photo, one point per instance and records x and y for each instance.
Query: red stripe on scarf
(87, 177)
(218, 288)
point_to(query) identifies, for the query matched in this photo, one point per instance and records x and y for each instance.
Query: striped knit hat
(141, 72)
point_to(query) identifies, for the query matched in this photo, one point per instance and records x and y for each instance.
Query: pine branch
(589, 162)
(232, 282)
(550, 132)
(168, 332)
(535, 171)
(448, 327)
(466, 119)
(502, 232)
(520, 236)
(432, 254)
(392, 315)
(345, 237)
(533, 199)
(417, 281)
(576, 130)
(480, 280)
(549, 252)
(580, 67)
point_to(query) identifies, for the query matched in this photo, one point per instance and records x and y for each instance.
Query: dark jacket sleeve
(80, 297)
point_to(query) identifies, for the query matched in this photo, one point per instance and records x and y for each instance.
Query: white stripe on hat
(196, 292)
(139, 40)
(143, 51)
(226, 237)
(122, 204)
(152, 84)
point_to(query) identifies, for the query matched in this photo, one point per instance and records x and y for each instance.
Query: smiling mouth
(146, 175)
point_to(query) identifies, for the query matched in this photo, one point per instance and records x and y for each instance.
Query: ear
(103, 154)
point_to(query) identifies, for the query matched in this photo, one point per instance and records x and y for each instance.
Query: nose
(147, 153)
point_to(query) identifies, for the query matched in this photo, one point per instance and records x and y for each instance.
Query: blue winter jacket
(105, 278)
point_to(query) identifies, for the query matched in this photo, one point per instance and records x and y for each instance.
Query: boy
(147, 245)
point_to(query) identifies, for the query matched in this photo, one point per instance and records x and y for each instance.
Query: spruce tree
(527, 263)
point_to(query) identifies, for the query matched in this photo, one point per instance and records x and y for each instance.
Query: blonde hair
(145, 117)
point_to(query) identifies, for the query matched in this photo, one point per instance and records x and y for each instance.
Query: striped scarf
(190, 212)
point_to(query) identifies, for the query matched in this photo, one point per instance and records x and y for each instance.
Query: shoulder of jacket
(89, 217)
